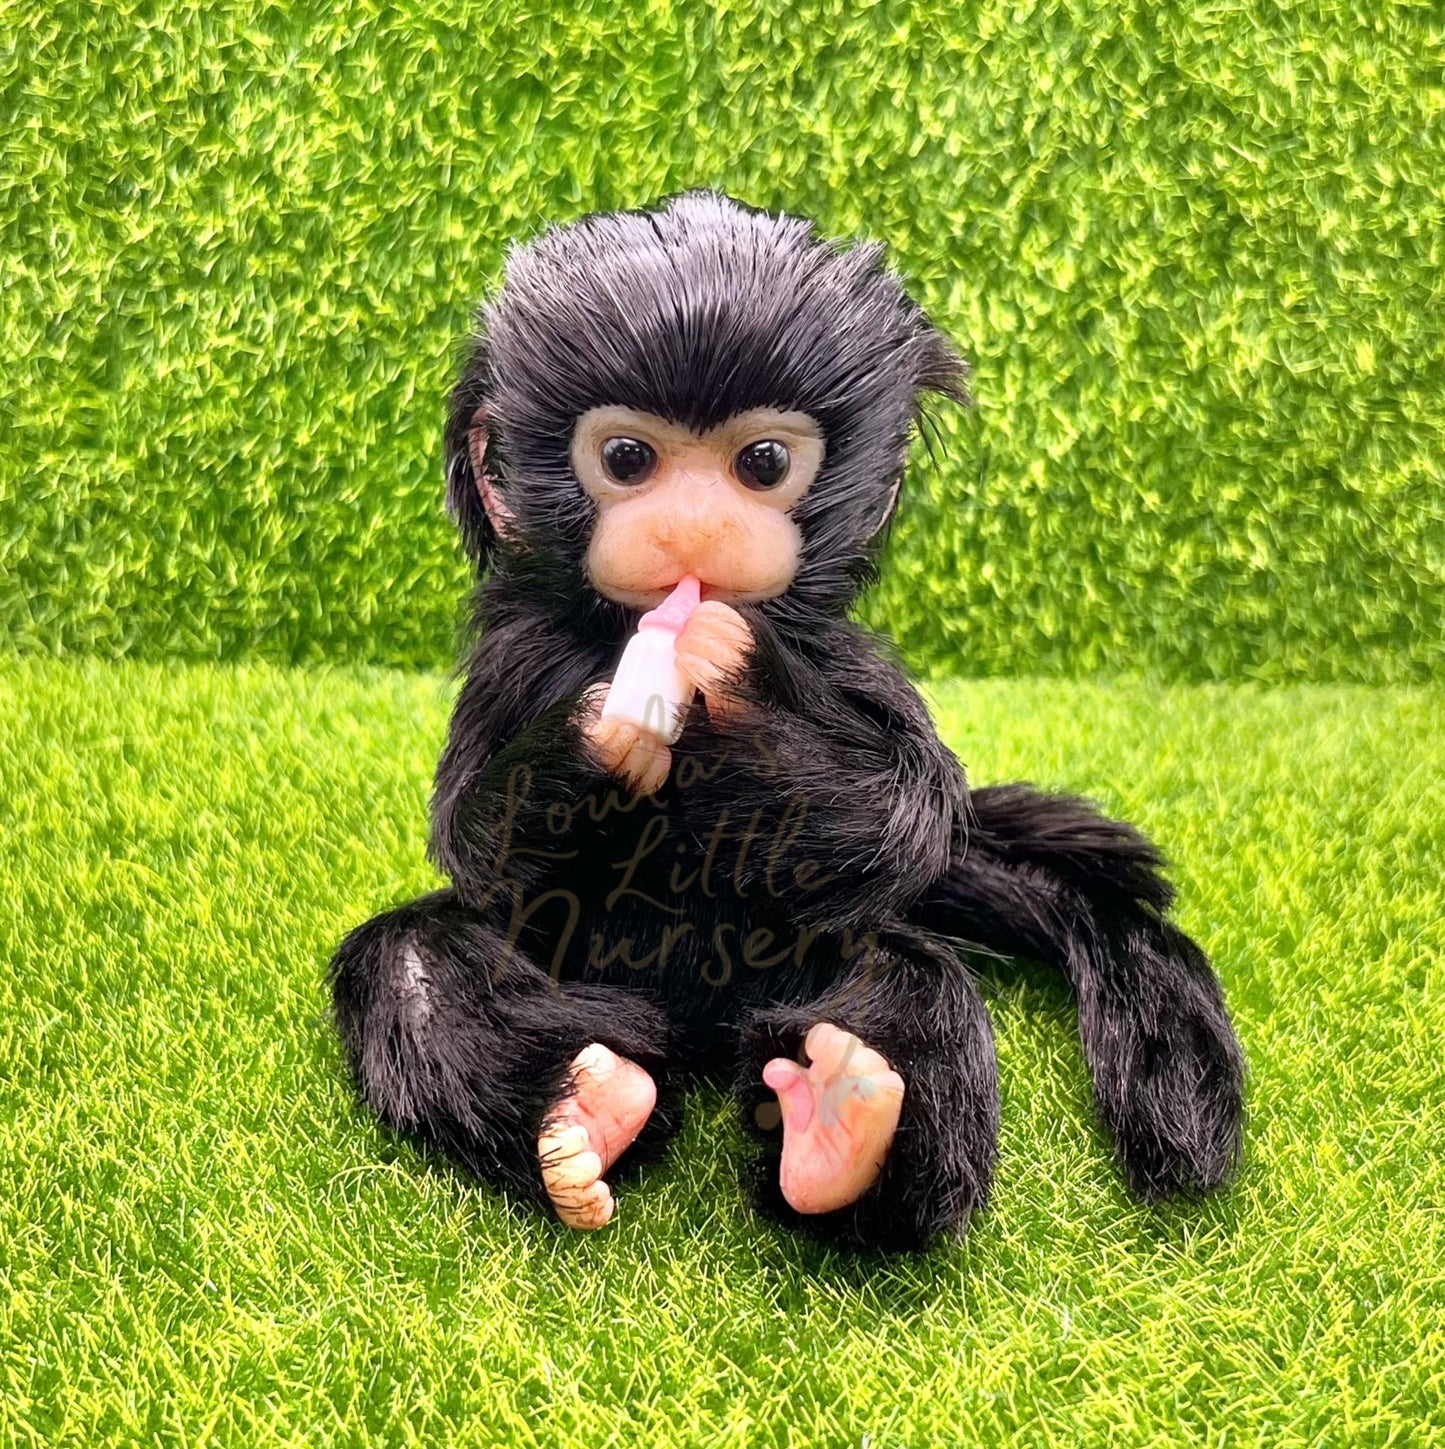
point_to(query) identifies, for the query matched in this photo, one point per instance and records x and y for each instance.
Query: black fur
(814, 860)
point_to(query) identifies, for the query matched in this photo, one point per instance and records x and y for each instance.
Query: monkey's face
(673, 500)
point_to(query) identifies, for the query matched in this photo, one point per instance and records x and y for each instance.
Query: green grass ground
(202, 1239)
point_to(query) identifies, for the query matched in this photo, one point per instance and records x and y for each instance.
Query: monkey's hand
(712, 651)
(635, 755)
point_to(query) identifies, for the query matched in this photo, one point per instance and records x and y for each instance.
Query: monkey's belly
(654, 905)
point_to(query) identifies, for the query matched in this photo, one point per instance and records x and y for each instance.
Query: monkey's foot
(839, 1116)
(589, 1129)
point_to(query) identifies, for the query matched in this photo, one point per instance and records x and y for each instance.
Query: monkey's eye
(627, 460)
(762, 465)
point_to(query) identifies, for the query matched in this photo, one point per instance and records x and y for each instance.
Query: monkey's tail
(1051, 878)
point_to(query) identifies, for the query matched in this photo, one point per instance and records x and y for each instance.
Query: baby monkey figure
(707, 392)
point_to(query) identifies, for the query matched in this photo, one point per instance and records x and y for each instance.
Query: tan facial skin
(691, 514)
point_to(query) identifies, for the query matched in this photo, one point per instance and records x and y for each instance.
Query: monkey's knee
(394, 995)
(455, 1037)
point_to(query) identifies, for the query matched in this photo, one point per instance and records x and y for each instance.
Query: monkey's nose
(695, 519)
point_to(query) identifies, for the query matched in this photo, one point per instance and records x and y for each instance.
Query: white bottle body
(648, 688)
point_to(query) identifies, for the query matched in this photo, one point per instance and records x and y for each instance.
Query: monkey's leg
(455, 1037)
(908, 1000)
(1048, 876)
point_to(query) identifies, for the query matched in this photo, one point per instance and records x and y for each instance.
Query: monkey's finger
(718, 624)
(697, 668)
(613, 737)
(606, 738)
(646, 763)
(724, 707)
(719, 690)
(713, 647)
(633, 754)
(594, 698)
(705, 674)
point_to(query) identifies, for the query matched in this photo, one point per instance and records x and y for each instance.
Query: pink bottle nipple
(676, 609)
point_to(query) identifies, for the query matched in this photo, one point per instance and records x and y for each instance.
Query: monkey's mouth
(643, 588)
(722, 593)
(644, 599)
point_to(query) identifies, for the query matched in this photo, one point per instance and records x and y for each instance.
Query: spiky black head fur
(695, 311)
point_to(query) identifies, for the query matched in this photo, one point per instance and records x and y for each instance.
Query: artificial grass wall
(1195, 252)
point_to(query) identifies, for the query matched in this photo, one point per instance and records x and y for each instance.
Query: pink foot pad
(839, 1115)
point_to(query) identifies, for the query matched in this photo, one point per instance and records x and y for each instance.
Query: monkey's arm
(516, 753)
(848, 748)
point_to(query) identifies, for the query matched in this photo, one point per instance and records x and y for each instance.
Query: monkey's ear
(479, 438)
(940, 369)
(473, 498)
